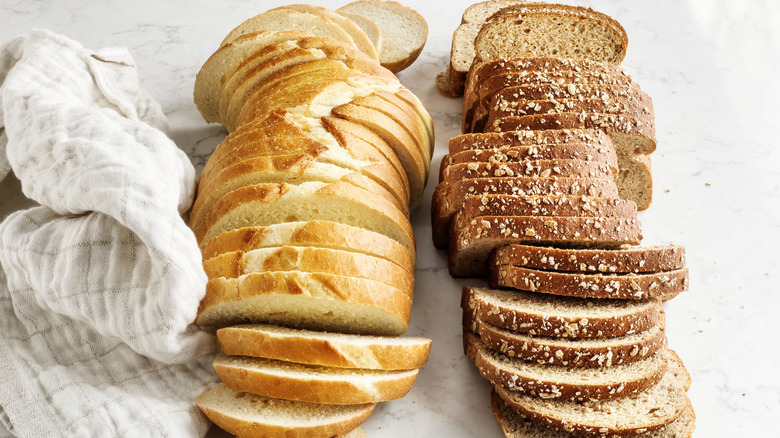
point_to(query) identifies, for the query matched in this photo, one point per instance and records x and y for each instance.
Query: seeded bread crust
(639, 129)
(556, 382)
(317, 234)
(635, 259)
(449, 197)
(515, 425)
(308, 259)
(312, 301)
(562, 168)
(663, 285)
(647, 411)
(472, 239)
(312, 383)
(600, 352)
(550, 137)
(325, 349)
(238, 413)
(557, 316)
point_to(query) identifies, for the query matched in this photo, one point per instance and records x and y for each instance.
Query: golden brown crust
(326, 349)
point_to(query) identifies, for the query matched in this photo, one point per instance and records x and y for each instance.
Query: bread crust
(662, 285)
(557, 316)
(449, 197)
(635, 259)
(222, 294)
(326, 349)
(308, 259)
(284, 19)
(319, 234)
(551, 137)
(473, 238)
(570, 383)
(312, 384)
(563, 168)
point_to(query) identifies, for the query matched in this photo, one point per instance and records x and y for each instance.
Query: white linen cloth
(99, 285)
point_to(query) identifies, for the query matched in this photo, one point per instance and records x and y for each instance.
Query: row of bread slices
(544, 187)
(302, 214)
(581, 349)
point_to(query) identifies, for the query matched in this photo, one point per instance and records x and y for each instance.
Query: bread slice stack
(302, 215)
(584, 358)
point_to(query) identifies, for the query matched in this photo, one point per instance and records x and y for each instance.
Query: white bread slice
(361, 38)
(254, 416)
(404, 31)
(420, 123)
(285, 19)
(558, 382)
(596, 352)
(306, 300)
(312, 383)
(217, 70)
(415, 103)
(656, 285)
(308, 259)
(515, 425)
(541, 30)
(316, 234)
(555, 316)
(658, 406)
(368, 26)
(266, 204)
(326, 349)
(634, 259)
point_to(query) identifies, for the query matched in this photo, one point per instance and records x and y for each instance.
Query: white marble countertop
(710, 67)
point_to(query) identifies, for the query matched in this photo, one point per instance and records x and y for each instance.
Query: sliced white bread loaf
(361, 39)
(658, 406)
(449, 197)
(267, 204)
(217, 70)
(326, 349)
(660, 285)
(595, 352)
(556, 316)
(308, 259)
(316, 234)
(411, 104)
(285, 19)
(313, 301)
(515, 425)
(633, 259)
(254, 416)
(368, 26)
(404, 31)
(312, 383)
(472, 239)
(558, 382)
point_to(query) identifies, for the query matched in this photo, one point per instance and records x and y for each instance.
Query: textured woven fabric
(99, 285)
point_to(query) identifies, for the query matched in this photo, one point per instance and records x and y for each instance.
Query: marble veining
(710, 67)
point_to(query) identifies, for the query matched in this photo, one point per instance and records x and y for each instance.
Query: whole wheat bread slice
(633, 259)
(515, 425)
(312, 383)
(662, 285)
(323, 348)
(254, 416)
(558, 382)
(449, 197)
(556, 316)
(646, 411)
(306, 300)
(493, 140)
(472, 239)
(563, 168)
(596, 352)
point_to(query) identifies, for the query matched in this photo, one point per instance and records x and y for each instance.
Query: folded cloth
(99, 285)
